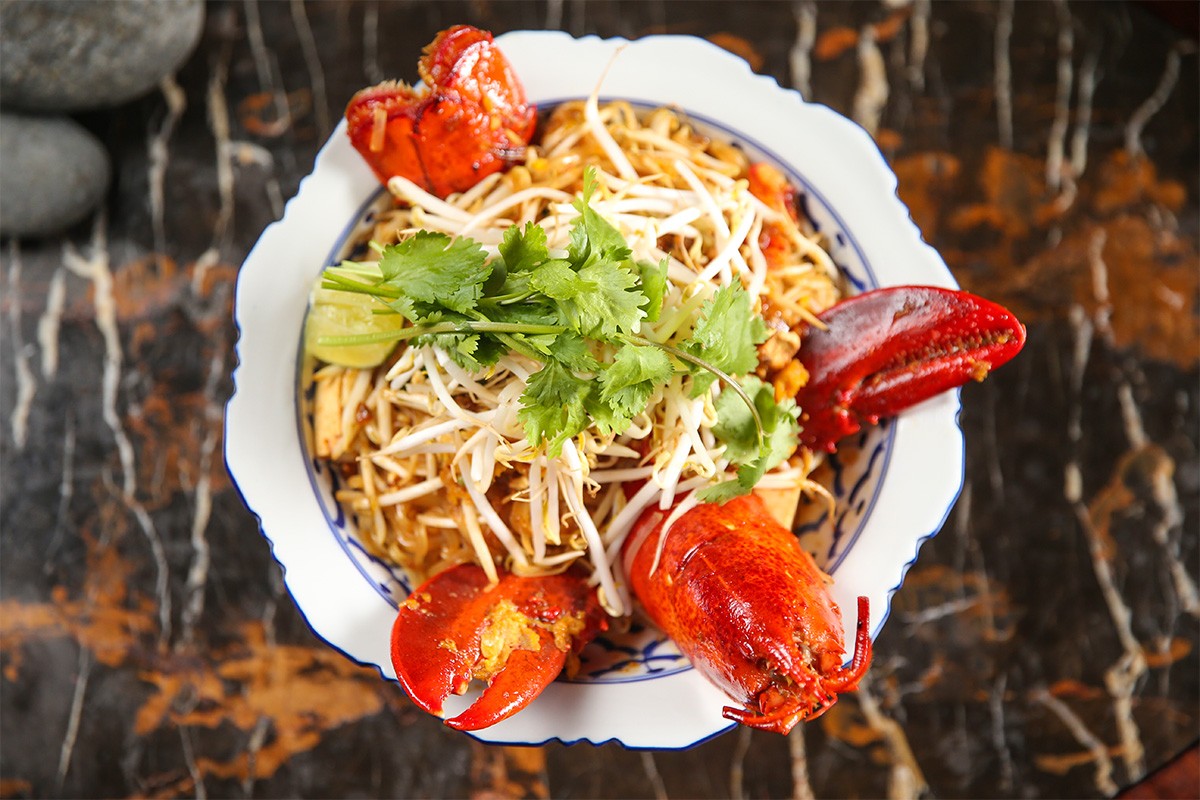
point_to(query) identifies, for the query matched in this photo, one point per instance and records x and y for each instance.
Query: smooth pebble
(53, 173)
(73, 55)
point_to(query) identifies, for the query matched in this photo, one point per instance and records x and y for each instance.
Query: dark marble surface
(1045, 645)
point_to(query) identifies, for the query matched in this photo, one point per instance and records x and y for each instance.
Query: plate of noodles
(345, 466)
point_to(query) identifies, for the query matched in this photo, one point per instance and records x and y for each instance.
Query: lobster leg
(516, 635)
(883, 351)
(846, 679)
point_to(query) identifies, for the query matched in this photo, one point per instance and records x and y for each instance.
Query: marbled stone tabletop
(1044, 645)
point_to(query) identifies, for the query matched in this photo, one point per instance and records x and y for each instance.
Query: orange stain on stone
(104, 619)
(926, 180)
(504, 772)
(1013, 189)
(1177, 649)
(107, 632)
(269, 115)
(146, 286)
(172, 444)
(1062, 764)
(1150, 280)
(153, 284)
(837, 40)
(304, 693)
(888, 140)
(992, 226)
(974, 601)
(297, 694)
(833, 42)
(1154, 309)
(1129, 488)
(846, 723)
(889, 28)
(15, 787)
(527, 759)
(739, 47)
(1073, 688)
(164, 422)
(1124, 181)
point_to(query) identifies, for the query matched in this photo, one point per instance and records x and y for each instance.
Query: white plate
(894, 484)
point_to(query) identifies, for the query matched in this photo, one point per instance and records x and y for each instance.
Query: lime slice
(336, 313)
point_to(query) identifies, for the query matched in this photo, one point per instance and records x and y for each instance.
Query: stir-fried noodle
(438, 469)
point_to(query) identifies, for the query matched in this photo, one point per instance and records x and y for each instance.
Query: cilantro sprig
(580, 315)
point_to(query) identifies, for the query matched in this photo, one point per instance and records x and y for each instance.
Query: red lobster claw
(515, 635)
(470, 119)
(886, 350)
(749, 608)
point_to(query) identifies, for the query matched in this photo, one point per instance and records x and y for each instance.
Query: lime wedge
(336, 313)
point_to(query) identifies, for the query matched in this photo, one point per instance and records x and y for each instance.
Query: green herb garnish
(580, 316)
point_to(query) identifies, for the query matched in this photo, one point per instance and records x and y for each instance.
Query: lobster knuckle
(883, 351)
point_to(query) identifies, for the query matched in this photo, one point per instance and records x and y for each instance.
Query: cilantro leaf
(735, 428)
(634, 374)
(557, 280)
(515, 290)
(416, 312)
(573, 352)
(599, 301)
(592, 236)
(434, 269)
(579, 316)
(609, 306)
(727, 336)
(553, 406)
(472, 352)
(524, 248)
(534, 315)
(606, 419)
(725, 491)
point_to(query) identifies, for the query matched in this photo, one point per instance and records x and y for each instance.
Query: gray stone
(71, 55)
(53, 172)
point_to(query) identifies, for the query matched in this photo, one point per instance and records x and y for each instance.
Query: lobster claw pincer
(883, 351)
(470, 118)
(516, 635)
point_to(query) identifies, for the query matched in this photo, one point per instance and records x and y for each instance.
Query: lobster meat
(728, 583)
(468, 120)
